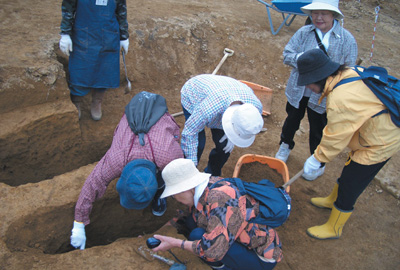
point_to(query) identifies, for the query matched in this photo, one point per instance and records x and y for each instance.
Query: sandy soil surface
(46, 153)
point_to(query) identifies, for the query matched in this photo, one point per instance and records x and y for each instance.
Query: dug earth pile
(46, 153)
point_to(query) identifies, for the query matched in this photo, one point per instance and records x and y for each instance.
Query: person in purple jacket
(145, 141)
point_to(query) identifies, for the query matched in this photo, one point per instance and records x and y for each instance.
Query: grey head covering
(143, 111)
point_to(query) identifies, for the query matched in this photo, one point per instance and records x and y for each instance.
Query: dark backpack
(275, 203)
(384, 86)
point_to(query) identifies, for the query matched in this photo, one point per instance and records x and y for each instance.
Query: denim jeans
(238, 256)
(83, 91)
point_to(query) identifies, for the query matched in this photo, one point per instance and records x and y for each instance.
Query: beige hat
(241, 124)
(181, 175)
(332, 5)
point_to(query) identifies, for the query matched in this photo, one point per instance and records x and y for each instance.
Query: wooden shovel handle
(294, 178)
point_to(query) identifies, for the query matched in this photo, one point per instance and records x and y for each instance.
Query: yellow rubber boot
(333, 228)
(326, 202)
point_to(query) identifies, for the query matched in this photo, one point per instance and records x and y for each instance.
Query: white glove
(66, 44)
(124, 44)
(311, 165)
(229, 145)
(78, 236)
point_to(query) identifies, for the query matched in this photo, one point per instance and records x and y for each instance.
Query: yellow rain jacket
(350, 109)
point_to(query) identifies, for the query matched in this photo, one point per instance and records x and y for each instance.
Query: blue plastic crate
(290, 6)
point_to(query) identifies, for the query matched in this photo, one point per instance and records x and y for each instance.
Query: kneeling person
(220, 232)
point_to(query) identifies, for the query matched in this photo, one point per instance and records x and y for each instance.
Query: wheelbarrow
(289, 10)
(273, 163)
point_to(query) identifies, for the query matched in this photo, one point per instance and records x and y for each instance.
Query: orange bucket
(273, 163)
(264, 94)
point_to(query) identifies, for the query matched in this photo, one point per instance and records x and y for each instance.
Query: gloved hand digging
(78, 236)
(229, 145)
(66, 44)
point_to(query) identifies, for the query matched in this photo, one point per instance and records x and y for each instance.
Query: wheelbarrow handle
(294, 178)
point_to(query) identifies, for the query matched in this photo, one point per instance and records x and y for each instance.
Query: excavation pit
(48, 231)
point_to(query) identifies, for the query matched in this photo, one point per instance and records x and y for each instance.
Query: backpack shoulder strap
(237, 182)
(347, 80)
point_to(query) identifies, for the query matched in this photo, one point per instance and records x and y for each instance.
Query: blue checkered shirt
(206, 97)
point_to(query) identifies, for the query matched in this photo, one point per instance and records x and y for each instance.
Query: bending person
(220, 232)
(228, 107)
(354, 122)
(145, 141)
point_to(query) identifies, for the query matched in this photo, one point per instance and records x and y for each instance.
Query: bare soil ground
(46, 153)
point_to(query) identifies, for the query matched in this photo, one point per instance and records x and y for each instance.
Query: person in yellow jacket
(353, 121)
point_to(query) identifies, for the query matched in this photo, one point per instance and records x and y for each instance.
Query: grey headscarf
(143, 111)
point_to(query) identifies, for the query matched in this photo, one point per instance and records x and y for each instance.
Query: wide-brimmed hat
(241, 124)
(137, 184)
(314, 66)
(181, 175)
(332, 5)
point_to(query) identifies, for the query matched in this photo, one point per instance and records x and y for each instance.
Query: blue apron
(94, 61)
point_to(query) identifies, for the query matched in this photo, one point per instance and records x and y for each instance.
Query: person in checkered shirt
(145, 141)
(228, 107)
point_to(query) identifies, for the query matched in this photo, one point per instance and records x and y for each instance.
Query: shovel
(227, 52)
(294, 178)
(150, 256)
(128, 87)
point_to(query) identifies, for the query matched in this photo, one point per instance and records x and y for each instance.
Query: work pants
(83, 91)
(238, 256)
(292, 123)
(353, 181)
(217, 157)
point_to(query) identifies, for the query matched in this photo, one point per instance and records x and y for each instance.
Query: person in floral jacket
(221, 233)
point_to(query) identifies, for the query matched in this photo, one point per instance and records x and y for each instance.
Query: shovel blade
(128, 87)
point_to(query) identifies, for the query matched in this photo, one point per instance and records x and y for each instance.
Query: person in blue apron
(92, 34)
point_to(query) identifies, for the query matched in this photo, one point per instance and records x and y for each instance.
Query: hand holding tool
(66, 44)
(152, 242)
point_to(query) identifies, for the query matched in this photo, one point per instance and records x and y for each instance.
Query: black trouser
(353, 181)
(292, 123)
(217, 157)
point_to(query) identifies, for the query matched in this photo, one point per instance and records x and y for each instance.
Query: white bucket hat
(181, 175)
(241, 124)
(332, 5)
